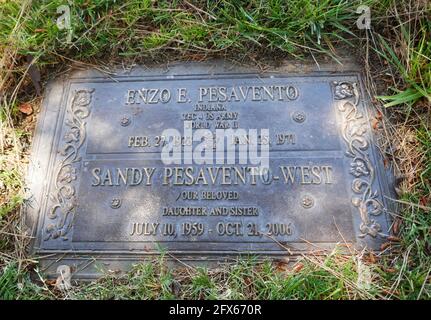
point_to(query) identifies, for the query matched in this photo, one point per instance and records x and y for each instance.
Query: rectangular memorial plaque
(205, 161)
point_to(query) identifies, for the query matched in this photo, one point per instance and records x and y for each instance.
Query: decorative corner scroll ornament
(354, 132)
(61, 213)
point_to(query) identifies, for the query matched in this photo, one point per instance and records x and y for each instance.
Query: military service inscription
(203, 163)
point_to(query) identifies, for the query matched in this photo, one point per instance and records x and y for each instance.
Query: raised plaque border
(372, 188)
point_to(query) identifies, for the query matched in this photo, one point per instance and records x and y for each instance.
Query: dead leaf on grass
(26, 108)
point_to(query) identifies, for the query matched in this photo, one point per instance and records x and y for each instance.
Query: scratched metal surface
(86, 124)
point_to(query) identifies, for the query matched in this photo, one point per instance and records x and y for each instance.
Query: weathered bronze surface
(102, 198)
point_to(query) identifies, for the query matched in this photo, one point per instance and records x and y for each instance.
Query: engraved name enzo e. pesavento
(213, 94)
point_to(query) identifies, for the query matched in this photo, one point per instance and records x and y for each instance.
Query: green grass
(143, 28)
(415, 70)
(16, 284)
(245, 279)
(132, 31)
(414, 270)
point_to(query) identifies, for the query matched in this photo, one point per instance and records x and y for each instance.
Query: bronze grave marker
(117, 173)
